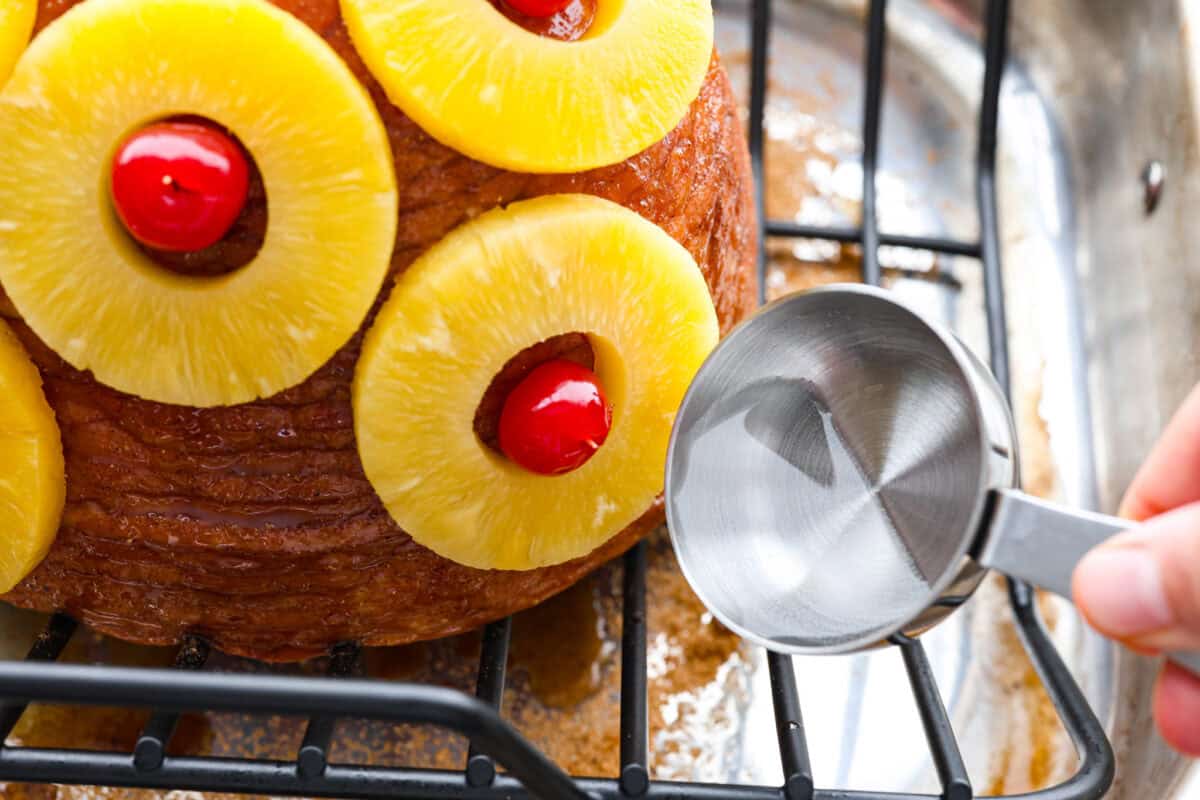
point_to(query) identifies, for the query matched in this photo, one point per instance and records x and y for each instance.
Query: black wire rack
(528, 772)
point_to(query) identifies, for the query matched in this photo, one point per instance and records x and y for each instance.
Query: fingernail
(1120, 590)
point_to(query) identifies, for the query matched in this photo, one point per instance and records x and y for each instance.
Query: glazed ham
(254, 525)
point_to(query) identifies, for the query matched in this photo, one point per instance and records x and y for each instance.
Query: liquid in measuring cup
(771, 466)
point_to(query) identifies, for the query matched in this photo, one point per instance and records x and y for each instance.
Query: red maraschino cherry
(555, 419)
(538, 8)
(179, 186)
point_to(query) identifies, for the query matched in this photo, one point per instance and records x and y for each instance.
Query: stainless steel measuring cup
(842, 470)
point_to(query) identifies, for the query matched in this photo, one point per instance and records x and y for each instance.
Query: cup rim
(961, 554)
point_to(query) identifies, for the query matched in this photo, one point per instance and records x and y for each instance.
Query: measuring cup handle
(1041, 543)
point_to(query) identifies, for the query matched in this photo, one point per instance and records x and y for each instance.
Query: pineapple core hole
(570, 346)
(568, 25)
(239, 246)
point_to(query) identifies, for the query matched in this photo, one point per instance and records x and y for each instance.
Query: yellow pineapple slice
(32, 484)
(108, 67)
(16, 23)
(480, 83)
(507, 280)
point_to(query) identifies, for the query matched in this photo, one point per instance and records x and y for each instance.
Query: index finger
(1170, 476)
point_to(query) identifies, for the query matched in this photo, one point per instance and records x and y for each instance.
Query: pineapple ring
(481, 84)
(32, 480)
(108, 67)
(16, 25)
(509, 279)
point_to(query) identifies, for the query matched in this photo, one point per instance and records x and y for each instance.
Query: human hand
(1142, 588)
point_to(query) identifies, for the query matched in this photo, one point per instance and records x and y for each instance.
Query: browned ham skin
(254, 525)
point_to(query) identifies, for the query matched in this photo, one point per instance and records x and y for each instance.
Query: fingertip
(1119, 588)
(1136, 507)
(1177, 709)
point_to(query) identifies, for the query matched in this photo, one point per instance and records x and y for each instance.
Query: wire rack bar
(848, 235)
(789, 728)
(313, 755)
(760, 27)
(793, 750)
(995, 56)
(489, 687)
(872, 115)
(152, 743)
(947, 759)
(48, 646)
(1097, 765)
(285, 694)
(279, 778)
(635, 724)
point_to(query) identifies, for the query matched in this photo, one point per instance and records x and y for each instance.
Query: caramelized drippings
(112, 729)
(568, 25)
(101, 728)
(193, 735)
(558, 644)
(396, 663)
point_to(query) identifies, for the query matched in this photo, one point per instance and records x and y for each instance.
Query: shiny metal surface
(1104, 332)
(1041, 542)
(1096, 89)
(1120, 79)
(828, 468)
(829, 473)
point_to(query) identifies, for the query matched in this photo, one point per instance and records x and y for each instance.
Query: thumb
(1143, 587)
